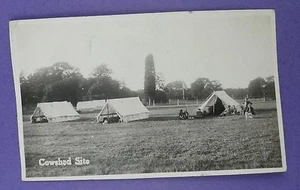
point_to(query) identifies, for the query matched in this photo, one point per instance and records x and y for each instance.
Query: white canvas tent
(55, 112)
(127, 109)
(89, 106)
(217, 102)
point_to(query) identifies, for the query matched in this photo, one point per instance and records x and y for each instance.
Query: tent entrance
(38, 117)
(109, 115)
(217, 108)
(217, 102)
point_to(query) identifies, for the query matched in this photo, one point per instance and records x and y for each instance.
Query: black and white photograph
(153, 95)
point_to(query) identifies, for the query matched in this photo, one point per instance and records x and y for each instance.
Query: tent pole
(214, 106)
(107, 114)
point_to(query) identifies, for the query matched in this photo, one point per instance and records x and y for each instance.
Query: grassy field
(161, 143)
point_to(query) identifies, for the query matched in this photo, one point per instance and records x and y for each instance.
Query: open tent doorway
(125, 109)
(217, 108)
(217, 102)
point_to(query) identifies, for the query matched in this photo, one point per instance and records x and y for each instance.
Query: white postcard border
(16, 73)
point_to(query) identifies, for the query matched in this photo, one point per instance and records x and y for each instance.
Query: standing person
(247, 102)
(249, 112)
(251, 109)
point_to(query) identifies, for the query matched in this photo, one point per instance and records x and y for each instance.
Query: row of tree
(63, 82)
(155, 88)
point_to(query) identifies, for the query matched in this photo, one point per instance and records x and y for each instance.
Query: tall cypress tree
(149, 80)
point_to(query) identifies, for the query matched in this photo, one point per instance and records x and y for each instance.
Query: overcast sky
(232, 47)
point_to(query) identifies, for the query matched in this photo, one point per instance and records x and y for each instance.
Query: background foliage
(64, 82)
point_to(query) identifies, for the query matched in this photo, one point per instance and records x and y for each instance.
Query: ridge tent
(127, 109)
(54, 112)
(89, 106)
(216, 103)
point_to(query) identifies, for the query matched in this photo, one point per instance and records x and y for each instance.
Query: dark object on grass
(250, 109)
(114, 119)
(199, 114)
(186, 114)
(183, 115)
(39, 119)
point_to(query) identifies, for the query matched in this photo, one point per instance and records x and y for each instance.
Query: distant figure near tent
(249, 110)
(227, 111)
(217, 102)
(234, 110)
(246, 104)
(123, 110)
(54, 112)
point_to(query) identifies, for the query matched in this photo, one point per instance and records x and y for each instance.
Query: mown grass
(155, 145)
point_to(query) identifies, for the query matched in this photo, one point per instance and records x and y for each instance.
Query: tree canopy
(57, 82)
(203, 87)
(255, 88)
(175, 89)
(63, 82)
(101, 71)
(262, 88)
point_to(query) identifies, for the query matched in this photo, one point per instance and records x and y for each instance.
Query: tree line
(64, 82)
(155, 88)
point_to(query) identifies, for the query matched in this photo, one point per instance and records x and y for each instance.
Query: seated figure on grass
(183, 115)
(227, 111)
(186, 114)
(249, 112)
(199, 113)
(234, 110)
(39, 119)
(113, 119)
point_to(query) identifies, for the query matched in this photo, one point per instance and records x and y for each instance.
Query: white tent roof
(223, 96)
(90, 105)
(56, 111)
(128, 109)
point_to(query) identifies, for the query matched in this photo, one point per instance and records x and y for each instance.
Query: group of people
(246, 109)
(230, 110)
(183, 115)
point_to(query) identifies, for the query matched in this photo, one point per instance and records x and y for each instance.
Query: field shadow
(262, 116)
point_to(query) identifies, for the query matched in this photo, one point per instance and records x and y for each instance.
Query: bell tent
(90, 106)
(54, 112)
(125, 109)
(216, 103)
